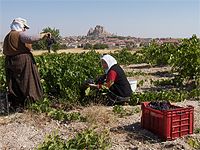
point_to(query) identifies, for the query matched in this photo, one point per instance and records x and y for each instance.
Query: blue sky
(138, 18)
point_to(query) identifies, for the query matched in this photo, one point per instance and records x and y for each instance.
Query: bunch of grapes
(160, 105)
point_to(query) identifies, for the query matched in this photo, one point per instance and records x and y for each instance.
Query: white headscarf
(19, 24)
(110, 61)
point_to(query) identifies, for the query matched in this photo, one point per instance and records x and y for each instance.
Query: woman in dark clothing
(50, 41)
(115, 80)
(22, 76)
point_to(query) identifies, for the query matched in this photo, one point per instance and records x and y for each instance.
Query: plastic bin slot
(184, 119)
(180, 113)
(180, 125)
(181, 131)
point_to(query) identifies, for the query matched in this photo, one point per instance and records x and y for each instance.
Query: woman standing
(22, 76)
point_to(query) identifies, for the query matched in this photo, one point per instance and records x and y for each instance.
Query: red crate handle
(180, 113)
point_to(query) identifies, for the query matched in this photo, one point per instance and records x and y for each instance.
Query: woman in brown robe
(22, 76)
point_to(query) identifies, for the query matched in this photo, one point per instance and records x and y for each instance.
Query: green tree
(186, 61)
(55, 33)
(100, 46)
(158, 54)
(87, 46)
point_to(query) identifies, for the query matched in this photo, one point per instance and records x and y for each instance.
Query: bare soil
(25, 131)
(73, 50)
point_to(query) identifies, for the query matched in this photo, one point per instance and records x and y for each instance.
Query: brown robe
(21, 72)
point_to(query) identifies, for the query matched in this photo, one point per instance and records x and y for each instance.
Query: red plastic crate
(168, 124)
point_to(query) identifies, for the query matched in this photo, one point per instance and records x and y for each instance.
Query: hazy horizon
(137, 18)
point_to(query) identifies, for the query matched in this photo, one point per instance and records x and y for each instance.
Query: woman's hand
(43, 35)
(93, 85)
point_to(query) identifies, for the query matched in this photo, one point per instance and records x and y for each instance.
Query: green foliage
(137, 110)
(140, 83)
(63, 116)
(93, 95)
(118, 109)
(63, 74)
(53, 142)
(87, 91)
(126, 58)
(46, 106)
(171, 95)
(195, 94)
(39, 45)
(42, 45)
(88, 139)
(156, 54)
(164, 82)
(42, 106)
(100, 46)
(2, 75)
(186, 61)
(197, 130)
(184, 58)
(87, 46)
(194, 142)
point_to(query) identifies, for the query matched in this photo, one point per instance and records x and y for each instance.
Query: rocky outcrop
(98, 31)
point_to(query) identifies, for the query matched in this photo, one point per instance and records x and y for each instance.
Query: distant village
(99, 35)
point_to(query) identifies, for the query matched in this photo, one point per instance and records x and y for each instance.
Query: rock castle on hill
(98, 31)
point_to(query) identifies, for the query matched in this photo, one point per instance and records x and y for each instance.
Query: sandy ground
(24, 131)
(73, 50)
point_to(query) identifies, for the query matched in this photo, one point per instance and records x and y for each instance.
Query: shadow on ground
(162, 74)
(136, 133)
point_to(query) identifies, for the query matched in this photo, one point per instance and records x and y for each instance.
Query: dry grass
(99, 116)
(74, 50)
(27, 116)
